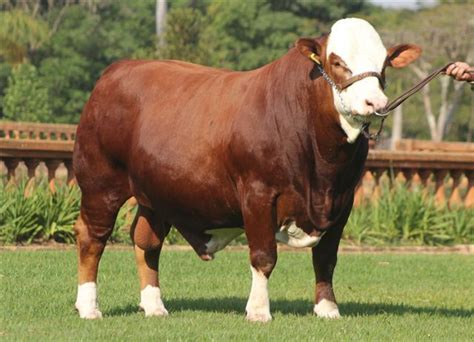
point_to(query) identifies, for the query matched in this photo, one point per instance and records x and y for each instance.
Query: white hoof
(259, 316)
(89, 314)
(151, 302)
(327, 309)
(86, 302)
(152, 312)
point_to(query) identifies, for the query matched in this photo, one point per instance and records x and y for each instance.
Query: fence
(40, 148)
(447, 168)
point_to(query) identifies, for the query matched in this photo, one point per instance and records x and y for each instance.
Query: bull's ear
(310, 48)
(401, 55)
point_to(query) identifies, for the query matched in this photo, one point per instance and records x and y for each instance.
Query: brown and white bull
(274, 152)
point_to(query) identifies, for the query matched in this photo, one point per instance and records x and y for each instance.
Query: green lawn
(382, 297)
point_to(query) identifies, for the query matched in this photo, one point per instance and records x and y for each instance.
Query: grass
(382, 297)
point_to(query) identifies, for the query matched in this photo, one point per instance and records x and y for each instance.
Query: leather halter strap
(352, 79)
(359, 77)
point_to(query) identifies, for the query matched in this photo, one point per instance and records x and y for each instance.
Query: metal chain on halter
(335, 87)
(365, 126)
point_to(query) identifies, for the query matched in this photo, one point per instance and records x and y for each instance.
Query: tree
(25, 98)
(183, 33)
(442, 32)
(246, 35)
(20, 35)
(87, 41)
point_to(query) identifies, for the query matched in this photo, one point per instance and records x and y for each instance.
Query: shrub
(408, 216)
(26, 99)
(33, 213)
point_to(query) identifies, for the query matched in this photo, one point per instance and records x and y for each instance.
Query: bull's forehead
(358, 44)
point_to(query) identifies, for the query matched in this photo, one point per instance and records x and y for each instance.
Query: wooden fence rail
(447, 168)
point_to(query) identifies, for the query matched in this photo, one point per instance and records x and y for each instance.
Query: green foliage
(33, 213)
(183, 36)
(5, 72)
(246, 35)
(20, 33)
(25, 98)
(323, 11)
(27, 215)
(408, 217)
(401, 217)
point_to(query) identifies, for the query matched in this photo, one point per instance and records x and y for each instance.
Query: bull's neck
(296, 88)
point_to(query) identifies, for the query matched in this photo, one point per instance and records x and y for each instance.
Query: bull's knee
(264, 261)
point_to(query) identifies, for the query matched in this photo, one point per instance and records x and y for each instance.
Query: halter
(384, 112)
(339, 87)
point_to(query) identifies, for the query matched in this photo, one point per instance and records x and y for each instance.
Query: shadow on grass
(236, 305)
(373, 309)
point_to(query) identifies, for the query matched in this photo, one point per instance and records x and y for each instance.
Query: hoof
(156, 312)
(90, 313)
(262, 317)
(327, 309)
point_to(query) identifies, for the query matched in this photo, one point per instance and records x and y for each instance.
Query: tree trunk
(397, 128)
(447, 115)
(161, 9)
(429, 113)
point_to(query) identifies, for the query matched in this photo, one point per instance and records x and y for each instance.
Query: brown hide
(205, 148)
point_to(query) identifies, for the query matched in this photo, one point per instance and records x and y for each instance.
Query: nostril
(369, 103)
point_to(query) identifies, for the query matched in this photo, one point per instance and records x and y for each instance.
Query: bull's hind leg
(103, 193)
(324, 263)
(148, 234)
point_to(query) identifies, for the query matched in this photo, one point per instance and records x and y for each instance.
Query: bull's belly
(289, 234)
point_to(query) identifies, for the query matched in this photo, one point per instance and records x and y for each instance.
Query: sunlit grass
(382, 297)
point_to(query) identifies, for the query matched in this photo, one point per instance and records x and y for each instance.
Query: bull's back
(146, 101)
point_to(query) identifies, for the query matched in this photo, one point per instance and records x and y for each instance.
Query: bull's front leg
(259, 224)
(324, 263)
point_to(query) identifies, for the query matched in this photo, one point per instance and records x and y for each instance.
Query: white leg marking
(151, 303)
(258, 305)
(326, 309)
(294, 236)
(86, 302)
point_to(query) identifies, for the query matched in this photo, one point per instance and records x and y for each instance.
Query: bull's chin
(364, 118)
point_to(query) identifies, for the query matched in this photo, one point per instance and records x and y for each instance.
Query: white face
(360, 47)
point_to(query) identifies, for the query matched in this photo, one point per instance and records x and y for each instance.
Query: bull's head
(353, 48)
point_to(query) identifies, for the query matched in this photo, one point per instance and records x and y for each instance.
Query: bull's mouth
(364, 118)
